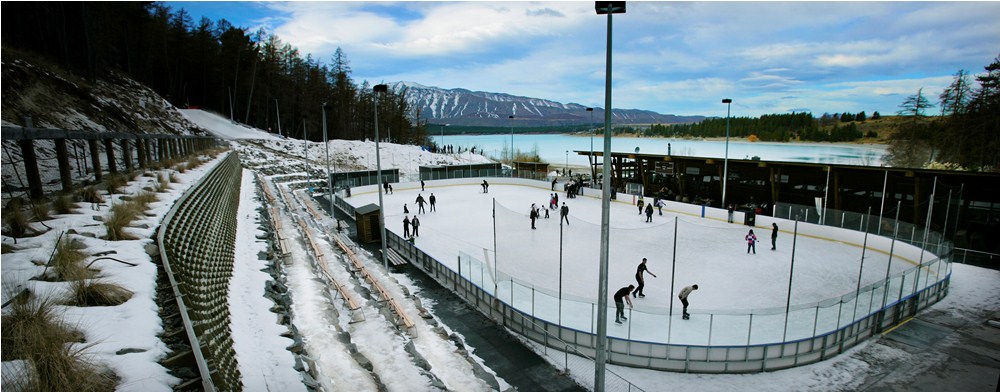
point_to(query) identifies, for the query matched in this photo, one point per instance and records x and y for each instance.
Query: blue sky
(670, 57)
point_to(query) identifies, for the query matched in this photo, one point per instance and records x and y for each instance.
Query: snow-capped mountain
(479, 108)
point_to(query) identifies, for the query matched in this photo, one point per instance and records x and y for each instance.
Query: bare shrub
(90, 194)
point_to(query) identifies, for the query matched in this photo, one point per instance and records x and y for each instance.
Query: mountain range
(488, 109)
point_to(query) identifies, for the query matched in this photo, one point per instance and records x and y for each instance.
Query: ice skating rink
(709, 252)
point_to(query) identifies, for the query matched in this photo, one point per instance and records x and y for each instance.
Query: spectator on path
(420, 203)
(774, 235)
(565, 214)
(684, 299)
(421, 185)
(640, 278)
(406, 226)
(416, 226)
(433, 201)
(622, 294)
(385, 187)
(751, 241)
(649, 213)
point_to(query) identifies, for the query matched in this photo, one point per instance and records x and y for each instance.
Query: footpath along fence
(196, 241)
(811, 332)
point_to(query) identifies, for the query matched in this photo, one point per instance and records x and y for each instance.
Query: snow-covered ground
(324, 324)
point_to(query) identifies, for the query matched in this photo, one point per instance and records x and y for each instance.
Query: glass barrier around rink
(533, 289)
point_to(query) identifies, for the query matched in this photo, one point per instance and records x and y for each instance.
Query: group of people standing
(535, 212)
(622, 295)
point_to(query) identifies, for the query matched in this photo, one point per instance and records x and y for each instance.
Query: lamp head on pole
(727, 100)
(326, 106)
(380, 88)
(510, 117)
(609, 7)
(590, 109)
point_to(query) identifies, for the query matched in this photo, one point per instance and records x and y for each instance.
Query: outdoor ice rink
(709, 252)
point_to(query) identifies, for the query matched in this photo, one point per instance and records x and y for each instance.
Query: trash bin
(749, 218)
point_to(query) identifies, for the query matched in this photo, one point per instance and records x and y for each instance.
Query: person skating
(774, 236)
(751, 241)
(649, 213)
(486, 187)
(533, 215)
(622, 294)
(546, 213)
(684, 299)
(420, 203)
(641, 279)
(416, 226)
(433, 200)
(659, 205)
(385, 187)
(730, 211)
(406, 226)
(421, 185)
(554, 181)
(565, 214)
(640, 203)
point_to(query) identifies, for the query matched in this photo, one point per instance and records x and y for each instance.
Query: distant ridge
(488, 109)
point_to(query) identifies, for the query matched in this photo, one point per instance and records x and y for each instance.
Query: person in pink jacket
(751, 241)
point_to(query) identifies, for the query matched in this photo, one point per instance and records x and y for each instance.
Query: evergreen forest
(250, 76)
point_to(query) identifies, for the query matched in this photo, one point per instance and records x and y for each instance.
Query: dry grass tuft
(115, 183)
(40, 211)
(67, 261)
(63, 204)
(162, 183)
(4, 248)
(15, 219)
(96, 293)
(90, 194)
(119, 218)
(33, 331)
(174, 179)
(194, 162)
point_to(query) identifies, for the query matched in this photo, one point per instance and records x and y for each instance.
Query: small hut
(367, 218)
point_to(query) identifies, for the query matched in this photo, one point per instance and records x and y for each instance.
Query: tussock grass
(143, 199)
(40, 211)
(194, 162)
(96, 293)
(4, 248)
(116, 182)
(15, 219)
(90, 194)
(33, 331)
(63, 204)
(119, 218)
(67, 261)
(162, 183)
(174, 179)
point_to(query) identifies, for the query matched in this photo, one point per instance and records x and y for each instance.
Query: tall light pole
(510, 119)
(305, 147)
(380, 88)
(326, 146)
(278, 113)
(725, 165)
(567, 163)
(442, 134)
(591, 158)
(609, 8)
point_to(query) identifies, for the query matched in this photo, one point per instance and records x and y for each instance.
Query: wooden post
(140, 150)
(109, 149)
(65, 172)
(95, 159)
(127, 155)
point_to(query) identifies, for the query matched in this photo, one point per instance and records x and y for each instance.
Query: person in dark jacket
(421, 185)
(420, 203)
(774, 235)
(565, 214)
(486, 187)
(649, 212)
(640, 278)
(416, 226)
(622, 294)
(433, 200)
(730, 212)
(406, 226)
(405, 210)
(533, 215)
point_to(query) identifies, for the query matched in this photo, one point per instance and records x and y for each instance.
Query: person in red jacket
(751, 241)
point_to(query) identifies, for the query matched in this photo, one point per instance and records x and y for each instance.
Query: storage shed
(367, 218)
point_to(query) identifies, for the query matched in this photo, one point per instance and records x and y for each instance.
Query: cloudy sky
(670, 57)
